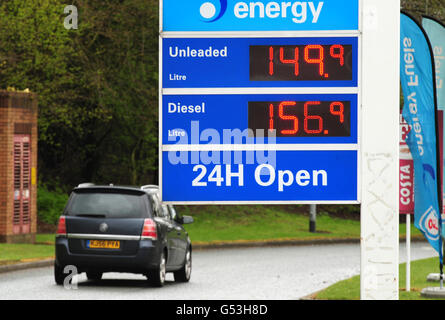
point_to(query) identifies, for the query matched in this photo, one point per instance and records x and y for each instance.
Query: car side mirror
(187, 220)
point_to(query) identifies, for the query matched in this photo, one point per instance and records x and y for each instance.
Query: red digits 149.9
(313, 54)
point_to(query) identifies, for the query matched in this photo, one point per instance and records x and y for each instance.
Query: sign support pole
(441, 265)
(380, 150)
(313, 217)
(408, 252)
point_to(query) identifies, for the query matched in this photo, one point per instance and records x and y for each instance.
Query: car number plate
(105, 244)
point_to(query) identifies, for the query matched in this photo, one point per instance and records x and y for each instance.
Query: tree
(97, 86)
(435, 8)
(119, 47)
(36, 52)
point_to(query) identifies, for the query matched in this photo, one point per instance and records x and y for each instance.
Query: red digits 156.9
(313, 122)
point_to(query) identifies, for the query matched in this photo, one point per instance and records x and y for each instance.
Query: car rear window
(108, 205)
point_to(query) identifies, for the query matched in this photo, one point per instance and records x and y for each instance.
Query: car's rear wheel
(94, 275)
(156, 277)
(184, 274)
(59, 276)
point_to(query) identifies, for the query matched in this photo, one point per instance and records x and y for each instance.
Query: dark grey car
(122, 229)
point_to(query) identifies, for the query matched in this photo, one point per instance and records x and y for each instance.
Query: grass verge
(350, 289)
(19, 252)
(260, 223)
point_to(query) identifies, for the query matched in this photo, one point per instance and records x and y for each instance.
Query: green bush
(50, 204)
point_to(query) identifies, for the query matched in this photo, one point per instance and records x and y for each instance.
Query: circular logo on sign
(209, 11)
(429, 223)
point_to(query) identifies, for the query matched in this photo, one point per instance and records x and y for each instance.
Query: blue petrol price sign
(259, 176)
(260, 62)
(259, 15)
(260, 119)
(259, 101)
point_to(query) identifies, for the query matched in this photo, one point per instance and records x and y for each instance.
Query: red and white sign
(406, 172)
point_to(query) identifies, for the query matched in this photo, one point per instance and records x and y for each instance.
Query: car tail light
(61, 228)
(149, 230)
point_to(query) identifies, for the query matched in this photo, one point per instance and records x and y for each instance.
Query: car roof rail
(85, 184)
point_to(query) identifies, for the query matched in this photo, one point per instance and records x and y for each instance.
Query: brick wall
(18, 115)
(3, 168)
